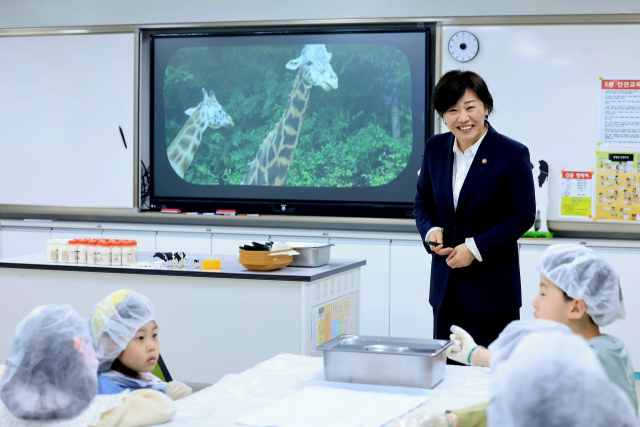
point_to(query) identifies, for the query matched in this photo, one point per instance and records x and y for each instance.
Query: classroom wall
(53, 13)
(396, 292)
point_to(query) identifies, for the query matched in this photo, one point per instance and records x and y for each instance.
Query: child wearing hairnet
(51, 379)
(125, 334)
(579, 292)
(550, 379)
(553, 380)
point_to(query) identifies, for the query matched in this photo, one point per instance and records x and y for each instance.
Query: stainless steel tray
(385, 361)
(310, 254)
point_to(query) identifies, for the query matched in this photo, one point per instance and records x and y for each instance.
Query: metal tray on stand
(310, 254)
(385, 361)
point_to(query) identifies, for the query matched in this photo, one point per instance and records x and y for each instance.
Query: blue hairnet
(504, 346)
(51, 369)
(555, 380)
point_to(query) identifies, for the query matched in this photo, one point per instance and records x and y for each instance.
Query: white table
(286, 374)
(211, 323)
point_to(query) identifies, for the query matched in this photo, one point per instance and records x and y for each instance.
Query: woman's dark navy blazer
(496, 206)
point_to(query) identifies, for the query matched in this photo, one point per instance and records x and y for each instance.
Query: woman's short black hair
(454, 84)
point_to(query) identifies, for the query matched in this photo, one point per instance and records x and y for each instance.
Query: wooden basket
(264, 261)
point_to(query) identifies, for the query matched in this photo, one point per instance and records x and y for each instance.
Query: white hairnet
(51, 369)
(555, 380)
(114, 322)
(503, 347)
(584, 274)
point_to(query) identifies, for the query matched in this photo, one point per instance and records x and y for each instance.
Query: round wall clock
(463, 46)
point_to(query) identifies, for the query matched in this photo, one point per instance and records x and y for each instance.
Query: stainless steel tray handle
(443, 348)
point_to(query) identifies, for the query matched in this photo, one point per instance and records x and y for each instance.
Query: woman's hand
(460, 256)
(436, 236)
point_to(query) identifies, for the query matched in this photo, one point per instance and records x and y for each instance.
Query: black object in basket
(258, 247)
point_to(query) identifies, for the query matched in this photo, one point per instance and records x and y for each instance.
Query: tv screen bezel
(370, 209)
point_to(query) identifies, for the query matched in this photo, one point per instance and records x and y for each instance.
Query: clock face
(463, 46)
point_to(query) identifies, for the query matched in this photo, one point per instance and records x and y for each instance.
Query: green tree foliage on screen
(357, 135)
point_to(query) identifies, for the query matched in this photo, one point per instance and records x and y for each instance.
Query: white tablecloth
(286, 374)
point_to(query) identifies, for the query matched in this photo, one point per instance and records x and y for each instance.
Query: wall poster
(619, 111)
(617, 186)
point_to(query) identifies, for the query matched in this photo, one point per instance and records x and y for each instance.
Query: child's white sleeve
(2, 368)
(141, 408)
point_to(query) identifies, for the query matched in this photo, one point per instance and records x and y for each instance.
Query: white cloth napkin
(322, 407)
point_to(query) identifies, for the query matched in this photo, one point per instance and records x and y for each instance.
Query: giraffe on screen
(185, 145)
(273, 160)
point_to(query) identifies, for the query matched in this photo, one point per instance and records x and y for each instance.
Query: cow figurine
(179, 258)
(540, 170)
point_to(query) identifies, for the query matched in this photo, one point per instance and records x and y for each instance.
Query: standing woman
(475, 199)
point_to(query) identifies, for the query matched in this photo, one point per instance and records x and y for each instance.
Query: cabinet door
(191, 243)
(18, 241)
(529, 277)
(229, 244)
(146, 239)
(76, 233)
(374, 281)
(625, 262)
(411, 315)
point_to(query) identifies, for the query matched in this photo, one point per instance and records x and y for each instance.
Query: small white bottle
(73, 252)
(92, 248)
(99, 250)
(82, 251)
(52, 250)
(127, 253)
(116, 253)
(105, 253)
(134, 250)
(63, 251)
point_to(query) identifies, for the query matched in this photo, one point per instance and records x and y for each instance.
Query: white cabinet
(191, 243)
(229, 244)
(23, 241)
(411, 315)
(374, 281)
(285, 238)
(625, 262)
(75, 233)
(146, 239)
(529, 277)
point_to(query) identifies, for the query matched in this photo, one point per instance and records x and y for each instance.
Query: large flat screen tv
(304, 121)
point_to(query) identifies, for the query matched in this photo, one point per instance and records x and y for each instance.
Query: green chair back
(161, 371)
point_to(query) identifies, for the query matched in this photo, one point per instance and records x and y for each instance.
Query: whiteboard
(62, 99)
(544, 81)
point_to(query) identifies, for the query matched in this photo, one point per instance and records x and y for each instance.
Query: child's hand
(177, 390)
(463, 345)
(422, 420)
